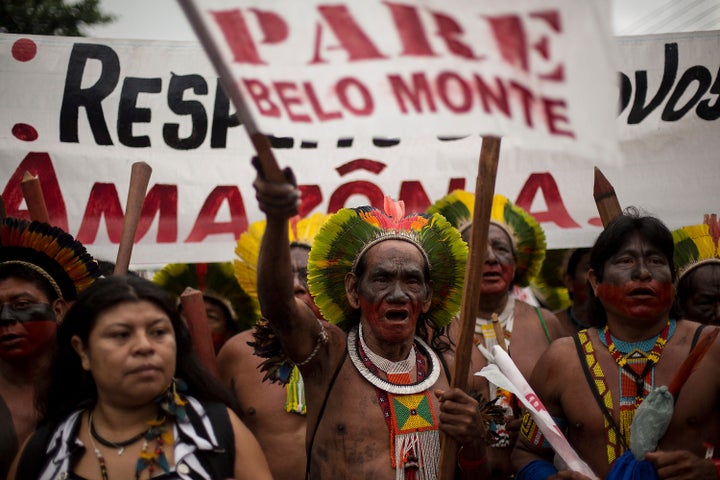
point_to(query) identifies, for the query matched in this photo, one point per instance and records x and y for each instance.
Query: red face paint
(637, 299)
(499, 268)
(27, 321)
(27, 339)
(390, 323)
(392, 292)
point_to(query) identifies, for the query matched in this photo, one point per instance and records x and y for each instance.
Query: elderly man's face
(393, 290)
(499, 268)
(703, 303)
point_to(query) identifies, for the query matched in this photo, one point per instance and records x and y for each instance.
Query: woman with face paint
(129, 399)
(596, 380)
(42, 269)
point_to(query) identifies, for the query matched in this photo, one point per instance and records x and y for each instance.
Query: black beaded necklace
(120, 446)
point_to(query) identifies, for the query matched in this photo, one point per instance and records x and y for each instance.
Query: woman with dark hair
(127, 397)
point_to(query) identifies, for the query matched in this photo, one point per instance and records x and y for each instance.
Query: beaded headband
(524, 231)
(347, 236)
(49, 251)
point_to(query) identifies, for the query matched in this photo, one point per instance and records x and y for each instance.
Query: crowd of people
(336, 339)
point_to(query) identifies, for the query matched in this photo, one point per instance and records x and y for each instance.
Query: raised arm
(293, 321)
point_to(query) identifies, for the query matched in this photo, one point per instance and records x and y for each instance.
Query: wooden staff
(139, 179)
(34, 199)
(690, 362)
(265, 154)
(605, 199)
(484, 193)
(193, 307)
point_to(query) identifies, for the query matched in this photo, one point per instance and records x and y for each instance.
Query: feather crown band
(524, 231)
(55, 254)
(696, 245)
(301, 233)
(351, 232)
(216, 281)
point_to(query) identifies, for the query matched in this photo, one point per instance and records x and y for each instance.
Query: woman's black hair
(71, 387)
(614, 237)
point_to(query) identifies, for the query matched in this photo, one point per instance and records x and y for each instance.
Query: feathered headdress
(350, 232)
(50, 251)
(216, 281)
(696, 245)
(548, 284)
(525, 232)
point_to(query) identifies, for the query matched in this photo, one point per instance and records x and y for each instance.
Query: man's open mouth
(642, 292)
(396, 315)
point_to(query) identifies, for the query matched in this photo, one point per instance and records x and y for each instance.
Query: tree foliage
(50, 17)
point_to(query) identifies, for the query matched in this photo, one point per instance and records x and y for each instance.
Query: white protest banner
(78, 112)
(321, 69)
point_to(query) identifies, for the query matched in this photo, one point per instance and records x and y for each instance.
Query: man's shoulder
(561, 350)
(237, 345)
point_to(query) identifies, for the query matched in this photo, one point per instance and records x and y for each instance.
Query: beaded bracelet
(469, 465)
(322, 339)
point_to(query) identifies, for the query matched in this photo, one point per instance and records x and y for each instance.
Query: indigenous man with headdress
(378, 394)
(697, 260)
(272, 404)
(42, 269)
(228, 308)
(515, 252)
(597, 383)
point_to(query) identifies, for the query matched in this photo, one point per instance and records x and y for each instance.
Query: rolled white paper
(506, 375)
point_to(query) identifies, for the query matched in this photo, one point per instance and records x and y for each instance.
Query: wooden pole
(605, 199)
(484, 193)
(34, 199)
(265, 154)
(193, 307)
(688, 365)
(139, 179)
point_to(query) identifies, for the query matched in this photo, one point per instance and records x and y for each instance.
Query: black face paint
(29, 312)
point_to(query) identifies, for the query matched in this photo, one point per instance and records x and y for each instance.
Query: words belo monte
(414, 93)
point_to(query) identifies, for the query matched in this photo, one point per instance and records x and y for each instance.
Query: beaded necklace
(637, 370)
(119, 445)
(410, 415)
(147, 459)
(630, 356)
(98, 454)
